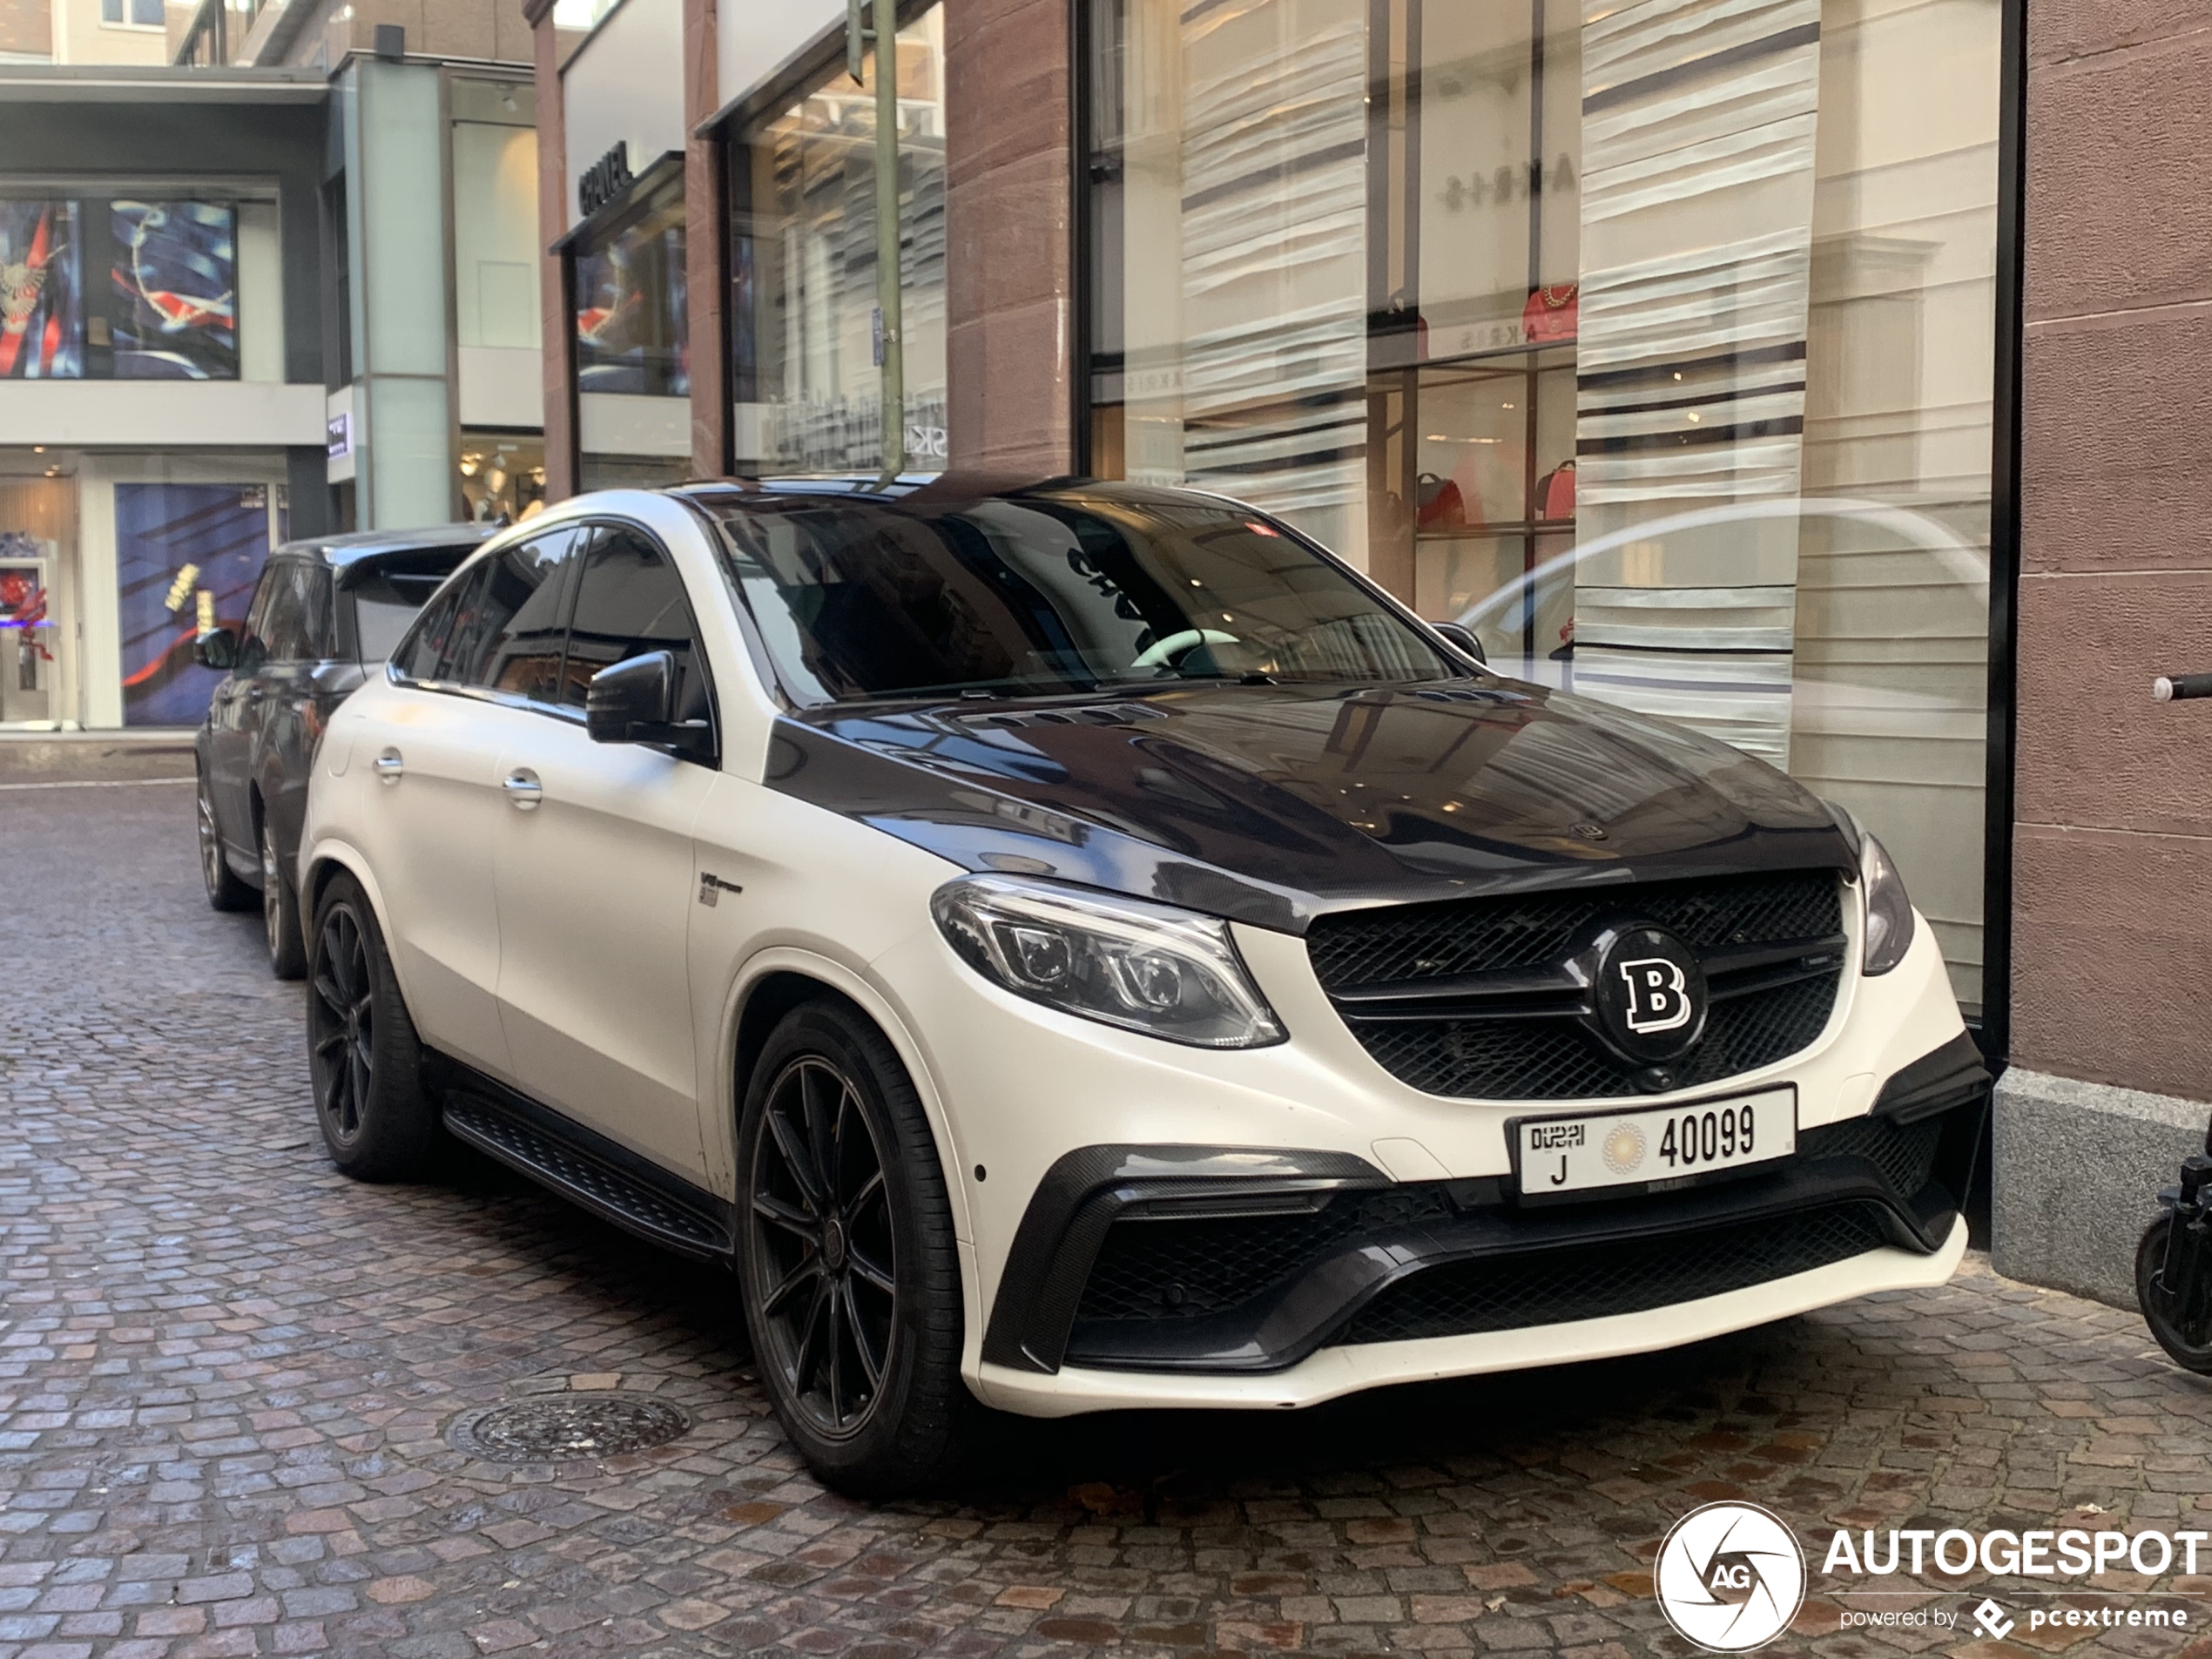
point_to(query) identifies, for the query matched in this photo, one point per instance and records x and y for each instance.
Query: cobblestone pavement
(227, 1376)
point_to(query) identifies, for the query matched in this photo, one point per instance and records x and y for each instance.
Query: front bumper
(1198, 1259)
(1330, 1372)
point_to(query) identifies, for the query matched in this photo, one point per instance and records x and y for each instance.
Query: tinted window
(631, 602)
(511, 634)
(315, 591)
(252, 651)
(382, 598)
(423, 650)
(1054, 593)
(284, 624)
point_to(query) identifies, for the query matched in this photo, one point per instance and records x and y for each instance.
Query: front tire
(364, 1057)
(281, 915)
(224, 890)
(848, 1271)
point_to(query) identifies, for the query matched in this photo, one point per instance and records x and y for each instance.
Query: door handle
(387, 766)
(523, 790)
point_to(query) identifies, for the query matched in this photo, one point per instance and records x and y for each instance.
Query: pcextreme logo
(1729, 1577)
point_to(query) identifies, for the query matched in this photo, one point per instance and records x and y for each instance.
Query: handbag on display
(1441, 506)
(1555, 492)
(1551, 313)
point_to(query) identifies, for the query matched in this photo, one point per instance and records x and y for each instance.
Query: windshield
(1035, 595)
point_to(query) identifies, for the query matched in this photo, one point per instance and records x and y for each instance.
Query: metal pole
(886, 241)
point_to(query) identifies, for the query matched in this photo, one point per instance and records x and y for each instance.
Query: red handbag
(1550, 314)
(1555, 492)
(1440, 505)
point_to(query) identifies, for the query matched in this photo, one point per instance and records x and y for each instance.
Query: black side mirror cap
(634, 701)
(1462, 639)
(216, 648)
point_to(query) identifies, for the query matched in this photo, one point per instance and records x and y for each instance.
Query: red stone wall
(1009, 266)
(2112, 949)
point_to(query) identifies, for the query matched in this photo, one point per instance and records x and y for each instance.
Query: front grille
(1588, 1282)
(1555, 1058)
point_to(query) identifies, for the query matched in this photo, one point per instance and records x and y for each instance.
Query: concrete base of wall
(2076, 1178)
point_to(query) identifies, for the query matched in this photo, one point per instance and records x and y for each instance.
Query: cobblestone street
(227, 1375)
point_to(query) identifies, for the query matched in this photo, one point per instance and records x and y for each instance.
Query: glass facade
(119, 289)
(1655, 343)
(804, 349)
(633, 346)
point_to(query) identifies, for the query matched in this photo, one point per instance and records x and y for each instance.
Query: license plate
(1556, 1155)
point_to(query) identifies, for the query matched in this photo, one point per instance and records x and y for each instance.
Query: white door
(595, 878)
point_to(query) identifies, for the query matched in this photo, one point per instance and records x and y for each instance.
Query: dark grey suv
(325, 611)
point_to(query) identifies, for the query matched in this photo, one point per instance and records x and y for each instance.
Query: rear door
(596, 876)
(435, 749)
(232, 713)
(281, 698)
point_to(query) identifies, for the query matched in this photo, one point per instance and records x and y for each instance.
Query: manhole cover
(560, 1428)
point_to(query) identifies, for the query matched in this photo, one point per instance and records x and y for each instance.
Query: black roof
(363, 547)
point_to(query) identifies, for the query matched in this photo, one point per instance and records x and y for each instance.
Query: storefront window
(1655, 343)
(632, 340)
(804, 333)
(37, 554)
(502, 475)
(119, 289)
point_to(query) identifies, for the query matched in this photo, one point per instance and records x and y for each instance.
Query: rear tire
(362, 1052)
(847, 1269)
(281, 915)
(224, 890)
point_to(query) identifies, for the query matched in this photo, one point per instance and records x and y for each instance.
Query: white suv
(1084, 947)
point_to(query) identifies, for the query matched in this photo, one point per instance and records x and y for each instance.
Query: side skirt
(585, 1167)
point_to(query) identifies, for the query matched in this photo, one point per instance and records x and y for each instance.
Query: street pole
(890, 336)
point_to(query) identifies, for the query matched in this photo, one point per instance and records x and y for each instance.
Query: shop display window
(804, 333)
(119, 289)
(1656, 344)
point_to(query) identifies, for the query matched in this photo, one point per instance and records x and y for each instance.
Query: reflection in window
(802, 272)
(1656, 342)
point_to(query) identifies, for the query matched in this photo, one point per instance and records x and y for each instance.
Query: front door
(596, 880)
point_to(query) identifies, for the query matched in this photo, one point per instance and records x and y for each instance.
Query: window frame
(589, 529)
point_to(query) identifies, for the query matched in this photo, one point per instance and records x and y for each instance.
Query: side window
(284, 622)
(517, 626)
(320, 636)
(252, 649)
(420, 652)
(629, 602)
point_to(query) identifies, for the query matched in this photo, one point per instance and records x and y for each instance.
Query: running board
(516, 1133)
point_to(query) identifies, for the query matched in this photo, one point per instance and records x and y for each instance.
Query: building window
(803, 318)
(1655, 343)
(142, 14)
(633, 339)
(114, 289)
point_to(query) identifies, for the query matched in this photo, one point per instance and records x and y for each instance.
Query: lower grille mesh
(1590, 1282)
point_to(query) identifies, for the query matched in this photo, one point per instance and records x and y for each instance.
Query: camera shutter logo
(1729, 1577)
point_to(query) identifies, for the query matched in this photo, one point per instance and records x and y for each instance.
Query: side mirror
(1462, 639)
(635, 701)
(216, 648)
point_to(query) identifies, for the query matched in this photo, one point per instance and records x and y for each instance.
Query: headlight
(1121, 962)
(1889, 913)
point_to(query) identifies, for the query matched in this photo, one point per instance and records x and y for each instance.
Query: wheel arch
(777, 980)
(317, 869)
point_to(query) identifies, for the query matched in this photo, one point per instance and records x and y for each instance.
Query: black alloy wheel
(824, 1254)
(224, 890)
(363, 1057)
(281, 915)
(848, 1272)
